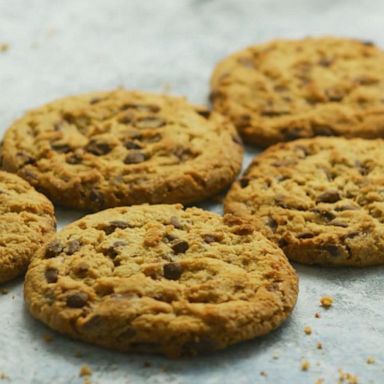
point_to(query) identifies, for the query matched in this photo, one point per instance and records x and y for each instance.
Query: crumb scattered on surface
(3, 376)
(4, 291)
(263, 373)
(319, 381)
(4, 47)
(85, 370)
(48, 338)
(326, 301)
(317, 315)
(345, 377)
(308, 330)
(305, 365)
(319, 345)
(275, 355)
(371, 360)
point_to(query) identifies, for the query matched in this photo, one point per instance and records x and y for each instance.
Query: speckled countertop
(61, 47)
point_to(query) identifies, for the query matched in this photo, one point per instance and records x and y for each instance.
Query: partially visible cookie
(161, 279)
(320, 199)
(120, 148)
(26, 221)
(290, 89)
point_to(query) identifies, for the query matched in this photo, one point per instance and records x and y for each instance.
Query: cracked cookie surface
(161, 279)
(320, 199)
(121, 148)
(290, 89)
(26, 220)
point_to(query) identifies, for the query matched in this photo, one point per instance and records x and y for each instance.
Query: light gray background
(64, 47)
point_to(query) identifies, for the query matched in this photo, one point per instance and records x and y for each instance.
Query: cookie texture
(290, 89)
(321, 199)
(161, 279)
(26, 221)
(121, 148)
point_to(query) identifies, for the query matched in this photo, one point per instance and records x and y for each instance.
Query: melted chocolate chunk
(172, 271)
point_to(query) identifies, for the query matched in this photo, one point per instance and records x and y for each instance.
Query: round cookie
(122, 148)
(26, 220)
(161, 279)
(289, 89)
(320, 199)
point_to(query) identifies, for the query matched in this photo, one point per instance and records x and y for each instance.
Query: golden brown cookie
(121, 148)
(26, 221)
(289, 89)
(161, 279)
(320, 199)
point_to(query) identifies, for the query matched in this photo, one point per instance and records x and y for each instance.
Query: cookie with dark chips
(321, 199)
(161, 279)
(122, 148)
(26, 222)
(290, 89)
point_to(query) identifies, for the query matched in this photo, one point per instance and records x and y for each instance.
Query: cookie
(160, 279)
(321, 199)
(290, 89)
(26, 221)
(122, 148)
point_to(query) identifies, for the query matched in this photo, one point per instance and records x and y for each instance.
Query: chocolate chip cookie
(290, 89)
(161, 279)
(121, 148)
(321, 199)
(26, 221)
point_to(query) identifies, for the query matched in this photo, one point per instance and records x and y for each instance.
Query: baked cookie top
(320, 199)
(121, 148)
(161, 279)
(289, 89)
(26, 221)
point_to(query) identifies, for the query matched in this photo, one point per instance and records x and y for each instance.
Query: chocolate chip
(305, 235)
(51, 275)
(25, 158)
(172, 271)
(211, 238)
(323, 130)
(347, 207)
(95, 100)
(72, 247)
(74, 159)
(97, 197)
(126, 118)
(338, 223)
(170, 237)
(272, 223)
(330, 196)
(244, 182)
(113, 251)
(325, 62)
(150, 122)
(132, 145)
(204, 112)
(134, 158)
(61, 148)
(81, 269)
(113, 225)
(53, 249)
(181, 246)
(333, 250)
(77, 300)
(176, 222)
(98, 148)
(368, 43)
(282, 242)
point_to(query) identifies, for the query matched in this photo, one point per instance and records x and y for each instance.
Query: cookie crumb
(308, 330)
(317, 315)
(319, 345)
(48, 338)
(326, 302)
(4, 291)
(305, 365)
(275, 355)
(263, 373)
(85, 370)
(3, 376)
(4, 47)
(319, 381)
(371, 360)
(345, 377)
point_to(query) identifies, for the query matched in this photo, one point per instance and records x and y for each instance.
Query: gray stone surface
(63, 47)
